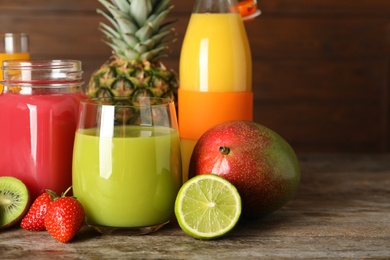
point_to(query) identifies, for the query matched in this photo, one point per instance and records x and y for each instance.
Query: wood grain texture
(321, 68)
(341, 211)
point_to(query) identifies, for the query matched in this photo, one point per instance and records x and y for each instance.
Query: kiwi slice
(14, 201)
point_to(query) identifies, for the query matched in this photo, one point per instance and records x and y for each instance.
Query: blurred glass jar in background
(13, 46)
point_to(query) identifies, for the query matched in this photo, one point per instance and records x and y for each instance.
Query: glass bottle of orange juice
(13, 46)
(215, 72)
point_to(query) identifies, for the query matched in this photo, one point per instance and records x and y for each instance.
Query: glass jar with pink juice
(38, 115)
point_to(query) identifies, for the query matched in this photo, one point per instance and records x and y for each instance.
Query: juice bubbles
(215, 74)
(38, 121)
(127, 181)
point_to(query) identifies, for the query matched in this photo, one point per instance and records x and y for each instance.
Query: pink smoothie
(36, 139)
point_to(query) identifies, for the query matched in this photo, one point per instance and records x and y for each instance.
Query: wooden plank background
(321, 68)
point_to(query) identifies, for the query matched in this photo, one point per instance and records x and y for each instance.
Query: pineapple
(138, 36)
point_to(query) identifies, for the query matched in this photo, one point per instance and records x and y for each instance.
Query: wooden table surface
(341, 211)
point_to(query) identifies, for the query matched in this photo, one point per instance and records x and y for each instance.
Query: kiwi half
(14, 201)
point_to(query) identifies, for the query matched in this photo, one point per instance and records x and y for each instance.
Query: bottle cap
(248, 10)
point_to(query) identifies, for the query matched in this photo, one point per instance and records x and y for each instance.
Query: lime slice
(207, 206)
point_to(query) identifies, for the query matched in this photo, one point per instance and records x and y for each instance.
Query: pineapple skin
(120, 79)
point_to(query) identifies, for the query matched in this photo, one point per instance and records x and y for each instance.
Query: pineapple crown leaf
(119, 44)
(108, 31)
(119, 19)
(145, 32)
(125, 25)
(122, 52)
(157, 20)
(130, 39)
(128, 53)
(122, 5)
(161, 6)
(140, 11)
(140, 48)
(114, 11)
(138, 28)
(151, 54)
(108, 17)
(154, 40)
(167, 27)
(114, 36)
(111, 33)
(154, 2)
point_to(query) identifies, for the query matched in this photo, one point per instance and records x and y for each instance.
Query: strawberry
(64, 218)
(34, 219)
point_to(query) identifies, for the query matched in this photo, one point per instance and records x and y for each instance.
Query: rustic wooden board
(341, 211)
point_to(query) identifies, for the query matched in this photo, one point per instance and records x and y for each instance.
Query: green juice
(129, 180)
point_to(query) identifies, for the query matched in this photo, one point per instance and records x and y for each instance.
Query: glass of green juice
(127, 163)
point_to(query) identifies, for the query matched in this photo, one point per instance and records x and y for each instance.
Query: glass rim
(118, 102)
(40, 73)
(72, 65)
(20, 34)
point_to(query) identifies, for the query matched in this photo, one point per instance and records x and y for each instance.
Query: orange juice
(215, 55)
(11, 56)
(215, 77)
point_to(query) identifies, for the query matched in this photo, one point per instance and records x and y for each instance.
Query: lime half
(207, 206)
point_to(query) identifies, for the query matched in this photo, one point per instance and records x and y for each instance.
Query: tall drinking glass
(127, 164)
(13, 46)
